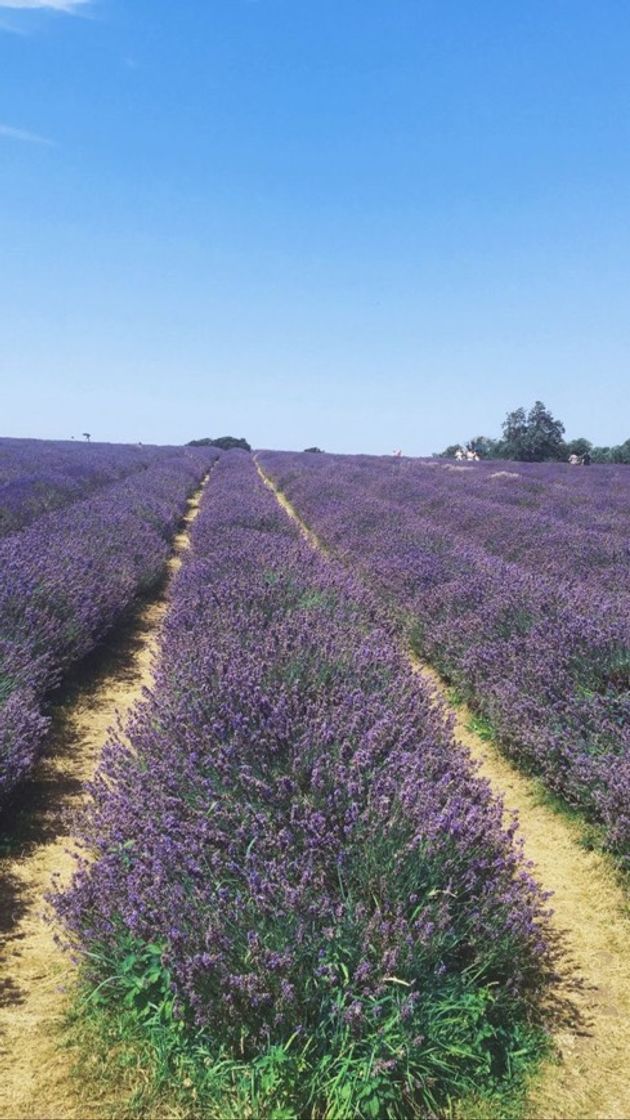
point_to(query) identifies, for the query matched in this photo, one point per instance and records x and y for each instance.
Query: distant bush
(618, 454)
(578, 447)
(225, 443)
(311, 450)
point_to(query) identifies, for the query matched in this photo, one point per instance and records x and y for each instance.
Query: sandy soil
(35, 976)
(588, 1080)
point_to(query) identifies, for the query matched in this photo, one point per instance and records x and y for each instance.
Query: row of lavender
(67, 579)
(540, 649)
(37, 476)
(322, 903)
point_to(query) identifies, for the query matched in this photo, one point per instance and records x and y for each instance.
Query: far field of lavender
(301, 899)
(514, 581)
(84, 530)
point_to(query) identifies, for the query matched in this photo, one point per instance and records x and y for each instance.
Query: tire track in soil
(588, 1077)
(36, 978)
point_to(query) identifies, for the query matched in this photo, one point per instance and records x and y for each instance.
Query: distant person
(586, 459)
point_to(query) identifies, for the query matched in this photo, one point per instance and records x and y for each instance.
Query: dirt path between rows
(589, 1078)
(35, 976)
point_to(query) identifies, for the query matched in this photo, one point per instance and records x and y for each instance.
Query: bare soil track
(588, 1080)
(35, 976)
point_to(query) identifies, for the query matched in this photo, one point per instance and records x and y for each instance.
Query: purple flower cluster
(67, 578)
(292, 823)
(37, 476)
(514, 581)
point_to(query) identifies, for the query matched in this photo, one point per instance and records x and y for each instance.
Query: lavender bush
(67, 579)
(296, 885)
(513, 580)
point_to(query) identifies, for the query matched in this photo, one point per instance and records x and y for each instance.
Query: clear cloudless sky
(364, 224)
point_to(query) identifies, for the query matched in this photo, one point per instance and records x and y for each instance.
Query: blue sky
(364, 224)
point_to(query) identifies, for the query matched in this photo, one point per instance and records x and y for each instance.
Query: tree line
(537, 436)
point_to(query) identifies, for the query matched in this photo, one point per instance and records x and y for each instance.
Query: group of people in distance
(468, 454)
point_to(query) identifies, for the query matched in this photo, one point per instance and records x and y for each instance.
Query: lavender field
(513, 580)
(292, 892)
(37, 476)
